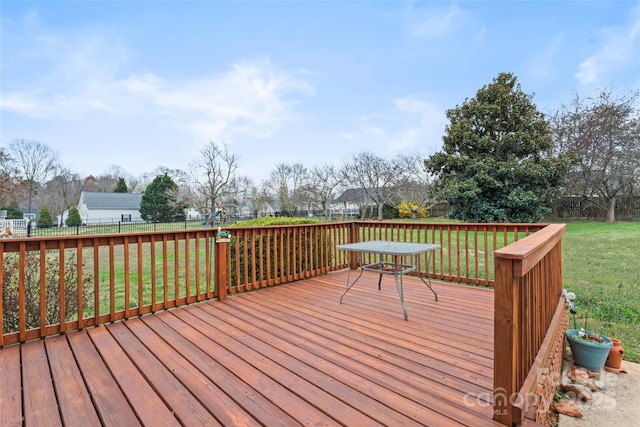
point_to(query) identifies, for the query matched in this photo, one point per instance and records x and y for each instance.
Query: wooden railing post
(220, 267)
(505, 341)
(354, 237)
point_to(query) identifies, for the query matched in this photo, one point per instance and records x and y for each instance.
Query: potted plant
(589, 348)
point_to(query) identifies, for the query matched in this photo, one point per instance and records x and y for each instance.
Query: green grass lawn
(601, 264)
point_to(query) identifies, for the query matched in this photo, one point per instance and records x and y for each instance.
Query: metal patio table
(397, 251)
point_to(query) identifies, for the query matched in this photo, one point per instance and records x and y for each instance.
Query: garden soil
(618, 405)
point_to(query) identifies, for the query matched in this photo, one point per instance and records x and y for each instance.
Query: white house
(97, 208)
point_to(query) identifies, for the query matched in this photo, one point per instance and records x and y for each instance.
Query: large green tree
(496, 164)
(160, 201)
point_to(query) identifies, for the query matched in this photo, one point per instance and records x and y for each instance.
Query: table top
(387, 247)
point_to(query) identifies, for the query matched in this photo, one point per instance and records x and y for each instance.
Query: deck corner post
(505, 342)
(220, 269)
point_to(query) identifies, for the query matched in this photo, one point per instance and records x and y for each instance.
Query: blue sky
(149, 83)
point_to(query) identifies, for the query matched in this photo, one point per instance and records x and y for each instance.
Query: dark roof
(112, 200)
(355, 195)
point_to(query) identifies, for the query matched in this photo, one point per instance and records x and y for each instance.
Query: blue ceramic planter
(588, 354)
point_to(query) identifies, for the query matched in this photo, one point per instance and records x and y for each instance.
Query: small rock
(580, 391)
(582, 381)
(600, 385)
(592, 385)
(578, 372)
(568, 407)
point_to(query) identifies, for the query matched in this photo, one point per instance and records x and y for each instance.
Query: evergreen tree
(121, 186)
(160, 201)
(495, 165)
(44, 218)
(74, 217)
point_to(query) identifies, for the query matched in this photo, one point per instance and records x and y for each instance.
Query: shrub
(406, 211)
(10, 276)
(73, 219)
(298, 259)
(278, 220)
(44, 218)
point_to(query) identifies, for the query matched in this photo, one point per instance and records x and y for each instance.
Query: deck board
(287, 355)
(10, 388)
(40, 406)
(76, 408)
(184, 405)
(110, 403)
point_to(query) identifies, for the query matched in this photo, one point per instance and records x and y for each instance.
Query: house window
(126, 217)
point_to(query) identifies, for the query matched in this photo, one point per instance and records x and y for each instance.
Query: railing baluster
(21, 294)
(140, 266)
(61, 288)
(127, 279)
(165, 272)
(198, 269)
(112, 280)
(96, 281)
(80, 293)
(176, 273)
(43, 290)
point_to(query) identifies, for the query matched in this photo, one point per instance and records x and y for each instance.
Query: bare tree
(212, 174)
(258, 200)
(287, 182)
(604, 131)
(35, 161)
(9, 182)
(90, 184)
(322, 184)
(412, 189)
(108, 181)
(63, 191)
(373, 175)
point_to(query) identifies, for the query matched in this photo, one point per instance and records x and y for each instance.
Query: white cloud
(412, 124)
(619, 48)
(85, 87)
(428, 127)
(87, 75)
(436, 20)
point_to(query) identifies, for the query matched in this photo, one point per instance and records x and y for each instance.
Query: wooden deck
(287, 355)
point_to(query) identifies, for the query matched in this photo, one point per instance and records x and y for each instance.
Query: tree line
(502, 160)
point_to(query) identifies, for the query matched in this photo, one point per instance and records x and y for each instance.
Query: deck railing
(52, 285)
(55, 284)
(264, 256)
(530, 319)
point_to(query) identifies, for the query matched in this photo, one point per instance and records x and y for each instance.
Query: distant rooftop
(112, 200)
